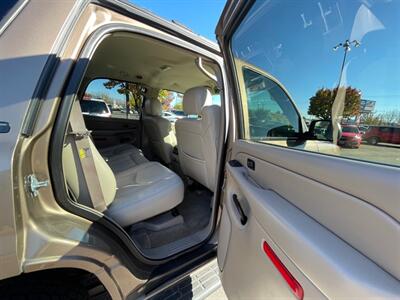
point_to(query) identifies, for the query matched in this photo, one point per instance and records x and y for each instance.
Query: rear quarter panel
(25, 46)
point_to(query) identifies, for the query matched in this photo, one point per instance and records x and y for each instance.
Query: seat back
(74, 173)
(158, 130)
(198, 137)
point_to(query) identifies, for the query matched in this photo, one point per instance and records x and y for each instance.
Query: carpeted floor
(195, 210)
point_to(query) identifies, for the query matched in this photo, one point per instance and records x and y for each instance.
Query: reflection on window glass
(113, 98)
(270, 112)
(339, 62)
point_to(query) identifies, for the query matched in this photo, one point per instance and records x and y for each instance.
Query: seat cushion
(117, 149)
(145, 191)
(123, 157)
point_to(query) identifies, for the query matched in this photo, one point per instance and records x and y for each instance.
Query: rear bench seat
(134, 188)
(122, 157)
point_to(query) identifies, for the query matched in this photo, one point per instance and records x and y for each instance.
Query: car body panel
(95, 107)
(350, 137)
(383, 134)
(17, 86)
(35, 237)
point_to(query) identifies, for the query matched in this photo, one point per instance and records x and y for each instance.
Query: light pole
(339, 102)
(347, 47)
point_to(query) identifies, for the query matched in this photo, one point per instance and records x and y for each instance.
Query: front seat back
(158, 130)
(198, 136)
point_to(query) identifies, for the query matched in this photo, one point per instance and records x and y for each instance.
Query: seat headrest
(153, 107)
(195, 99)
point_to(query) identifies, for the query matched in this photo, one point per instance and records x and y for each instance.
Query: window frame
(226, 28)
(240, 66)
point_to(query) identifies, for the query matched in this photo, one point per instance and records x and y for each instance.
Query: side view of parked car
(382, 134)
(95, 107)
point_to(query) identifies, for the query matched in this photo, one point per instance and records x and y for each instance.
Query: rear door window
(113, 98)
(270, 112)
(323, 65)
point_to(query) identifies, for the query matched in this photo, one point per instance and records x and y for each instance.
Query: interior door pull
(243, 217)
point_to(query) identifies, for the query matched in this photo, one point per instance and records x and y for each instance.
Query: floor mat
(195, 210)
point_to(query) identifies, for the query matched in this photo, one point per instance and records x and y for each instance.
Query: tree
(178, 106)
(321, 103)
(166, 97)
(371, 119)
(104, 96)
(391, 117)
(132, 91)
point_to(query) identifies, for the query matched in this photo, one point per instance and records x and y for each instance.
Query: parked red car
(351, 137)
(382, 134)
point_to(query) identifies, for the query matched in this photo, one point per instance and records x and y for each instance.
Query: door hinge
(33, 184)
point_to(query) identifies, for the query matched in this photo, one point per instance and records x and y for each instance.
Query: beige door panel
(313, 228)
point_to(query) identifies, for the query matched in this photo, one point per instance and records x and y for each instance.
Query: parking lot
(383, 153)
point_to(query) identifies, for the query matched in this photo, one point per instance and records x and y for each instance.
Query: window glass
(325, 73)
(113, 98)
(216, 98)
(270, 112)
(171, 104)
(5, 7)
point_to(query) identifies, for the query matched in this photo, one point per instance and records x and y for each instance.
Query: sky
(201, 16)
(294, 40)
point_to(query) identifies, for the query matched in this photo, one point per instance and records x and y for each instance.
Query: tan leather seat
(131, 195)
(122, 157)
(158, 130)
(198, 136)
(145, 191)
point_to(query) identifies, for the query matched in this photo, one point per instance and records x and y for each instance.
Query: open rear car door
(298, 224)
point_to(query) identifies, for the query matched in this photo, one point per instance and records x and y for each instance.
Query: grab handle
(243, 217)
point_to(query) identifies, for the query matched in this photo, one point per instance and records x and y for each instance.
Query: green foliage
(131, 90)
(321, 103)
(166, 97)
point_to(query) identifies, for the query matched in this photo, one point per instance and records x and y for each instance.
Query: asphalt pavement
(381, 153)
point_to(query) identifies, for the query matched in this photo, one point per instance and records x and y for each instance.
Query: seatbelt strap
(81, 140)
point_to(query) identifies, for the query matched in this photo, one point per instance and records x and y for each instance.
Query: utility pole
(339, 102)
(347, 47)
